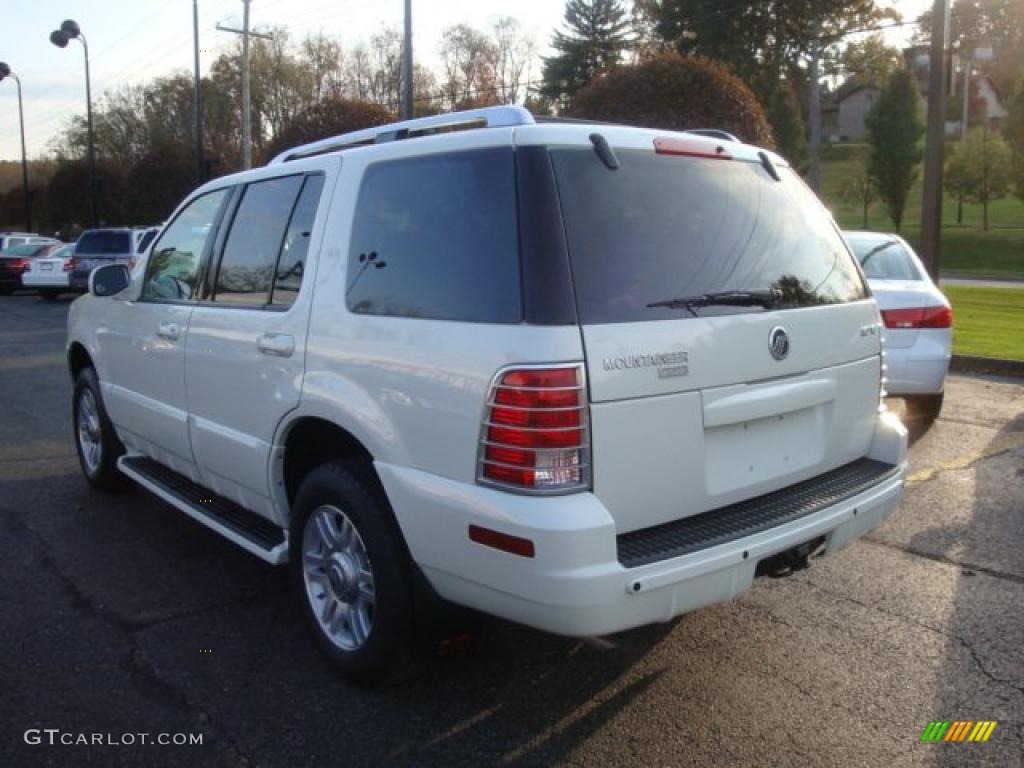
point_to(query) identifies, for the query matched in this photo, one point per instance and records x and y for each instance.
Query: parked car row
(52, 267)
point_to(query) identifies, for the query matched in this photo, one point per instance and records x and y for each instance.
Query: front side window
(436, 237)
(250, 253)
(661, 227)
(173, 267)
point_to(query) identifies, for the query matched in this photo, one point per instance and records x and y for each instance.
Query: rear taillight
(535, 436)
(69, 265)
(918, 317)
(20, 265)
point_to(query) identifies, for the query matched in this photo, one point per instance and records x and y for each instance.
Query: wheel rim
(89, 431)
(339, 577)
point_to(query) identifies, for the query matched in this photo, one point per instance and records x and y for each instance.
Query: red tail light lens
(535, 437)
(69, 265)
(918, 317)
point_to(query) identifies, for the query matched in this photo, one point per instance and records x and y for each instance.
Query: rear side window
(663, 227)
(436, 237)
(100, 243)
(292, 264)
(885, 259)
(250, 253)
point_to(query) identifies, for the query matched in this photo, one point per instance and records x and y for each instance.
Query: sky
(131, 41)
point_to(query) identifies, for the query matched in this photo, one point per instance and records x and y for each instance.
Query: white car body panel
(49, 271)
(231, 440)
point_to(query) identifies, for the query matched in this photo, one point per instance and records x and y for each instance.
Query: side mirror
(109, 279)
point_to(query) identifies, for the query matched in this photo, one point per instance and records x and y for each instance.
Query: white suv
(584, 377)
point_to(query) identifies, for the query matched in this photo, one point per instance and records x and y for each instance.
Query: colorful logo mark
(958, 730)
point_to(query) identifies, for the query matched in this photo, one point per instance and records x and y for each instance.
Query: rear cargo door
(732, 347)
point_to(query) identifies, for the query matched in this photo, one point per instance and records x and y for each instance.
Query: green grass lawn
(987, 322)
(966, 249)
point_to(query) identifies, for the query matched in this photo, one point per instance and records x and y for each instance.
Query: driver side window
(173, 268)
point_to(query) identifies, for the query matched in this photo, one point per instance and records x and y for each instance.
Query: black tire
(924, 409)
(6, 290)
(352, 490)
(48, 294)
(103, 473)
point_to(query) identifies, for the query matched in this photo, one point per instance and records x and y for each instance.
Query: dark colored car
(108, 245)
(15, 260)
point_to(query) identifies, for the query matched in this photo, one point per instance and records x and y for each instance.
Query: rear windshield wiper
(766, 299)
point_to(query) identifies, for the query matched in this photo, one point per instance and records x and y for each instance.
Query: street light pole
(407, 84)
(69, 29)
(5, 71)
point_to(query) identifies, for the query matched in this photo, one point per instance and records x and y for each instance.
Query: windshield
(662, 228)
(104, 242)
(884, 259)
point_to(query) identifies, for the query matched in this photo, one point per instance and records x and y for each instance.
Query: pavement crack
(1002, 444)
(872, 539)
(962, 641)
(139, 667)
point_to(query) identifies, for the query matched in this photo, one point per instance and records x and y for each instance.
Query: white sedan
(50, 273)
(918, 320)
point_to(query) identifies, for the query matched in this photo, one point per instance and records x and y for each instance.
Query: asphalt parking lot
(121, 616)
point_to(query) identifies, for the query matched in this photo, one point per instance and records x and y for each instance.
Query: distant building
(844, 110)
(853, 101)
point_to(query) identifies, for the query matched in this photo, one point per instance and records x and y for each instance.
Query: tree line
(745, 61)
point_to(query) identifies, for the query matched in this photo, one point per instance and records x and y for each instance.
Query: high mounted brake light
(690, 148)
(535, 436)
(918, 317)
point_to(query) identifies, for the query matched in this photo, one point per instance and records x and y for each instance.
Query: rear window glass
(436, 237)
(104, 243)
(663, 227)
(884, 259)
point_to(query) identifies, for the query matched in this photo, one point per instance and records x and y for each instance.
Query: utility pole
(814, 114)
(197, 106)
(963, 127)
(407, 64)
(246, 106)
(931, 203)
(246, 33)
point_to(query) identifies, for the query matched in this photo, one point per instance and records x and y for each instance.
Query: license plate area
(751, 452)
(46, 267)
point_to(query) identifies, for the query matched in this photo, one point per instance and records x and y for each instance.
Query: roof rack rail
(714, 133)
(487, 117)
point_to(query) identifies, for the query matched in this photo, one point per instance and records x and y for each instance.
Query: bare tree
(467, 56)
(514, 51)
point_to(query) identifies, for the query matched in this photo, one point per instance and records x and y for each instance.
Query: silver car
(918, 320)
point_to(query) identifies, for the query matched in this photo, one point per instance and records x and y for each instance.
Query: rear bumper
(919, 369)
(575, 584)
(46, 280)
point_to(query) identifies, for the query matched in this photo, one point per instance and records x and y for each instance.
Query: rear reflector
(918, 317)
(690, 147)
(535, 435)
(502, 541)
